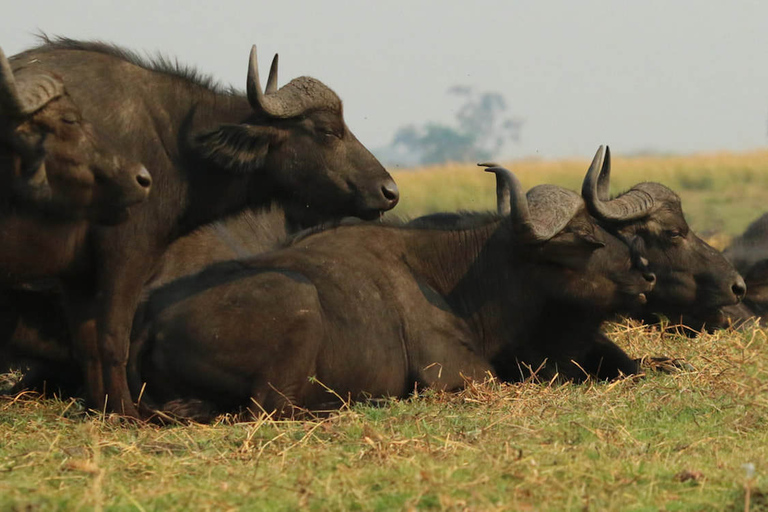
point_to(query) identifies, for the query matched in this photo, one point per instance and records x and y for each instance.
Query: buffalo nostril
(739, 288)
(143, 178)
(390, 192)
(650, 277)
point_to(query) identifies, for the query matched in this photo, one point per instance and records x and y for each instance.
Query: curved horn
(37, 90)
(10, 102)
(518, 203)
(554, 206)
(271, 105)
(26, 93)
(502, 191)
(629, 206)
(293, 99)
(272, 79)
(253, 85)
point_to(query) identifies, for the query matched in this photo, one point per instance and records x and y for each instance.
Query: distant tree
(480, 133)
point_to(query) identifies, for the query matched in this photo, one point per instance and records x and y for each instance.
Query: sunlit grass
(721, 192)
(663, 442)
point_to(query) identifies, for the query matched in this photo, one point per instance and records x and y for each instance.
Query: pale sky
(669, 75)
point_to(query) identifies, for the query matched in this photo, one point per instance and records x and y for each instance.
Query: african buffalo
(371, 310)
(56, 180)
(34, 336)
(213, 152)
(749, 254)
(56, 177)
(693, 278)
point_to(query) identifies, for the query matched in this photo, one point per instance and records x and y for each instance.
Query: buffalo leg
(82, 321)
(449, 364)
(605, 360)
(114, 342)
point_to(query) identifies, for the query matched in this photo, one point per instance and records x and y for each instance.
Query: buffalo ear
(569, 249)
(237, 148)
(592, 240)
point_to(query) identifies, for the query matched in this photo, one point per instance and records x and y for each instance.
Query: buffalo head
(297, 136)
(577, 261)
(693, 277)
(51, 161)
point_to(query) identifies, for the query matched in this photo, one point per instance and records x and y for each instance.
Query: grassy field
(694, 440)
(721, 193)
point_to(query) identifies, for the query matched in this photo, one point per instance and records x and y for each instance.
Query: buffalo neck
(214, 191)
(202, 190)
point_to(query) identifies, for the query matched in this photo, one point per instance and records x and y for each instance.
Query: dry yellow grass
(721, 192)
(684, 441)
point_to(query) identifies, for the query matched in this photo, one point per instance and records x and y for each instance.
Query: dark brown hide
(35, 337)
(212, 154)
(372, 311)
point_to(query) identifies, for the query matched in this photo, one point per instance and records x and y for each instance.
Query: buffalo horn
(26, 94)
(293, 99)
(272, 80)
(271, 105)
(629, 206)
(502, 191)
(10, 103)
(528, 225)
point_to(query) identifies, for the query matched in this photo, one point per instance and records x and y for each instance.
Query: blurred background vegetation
(721, 192)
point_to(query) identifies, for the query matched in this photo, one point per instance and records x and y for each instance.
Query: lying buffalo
(693, 278)
(373, 310)
(213, 153)
(749, 254)
(34, 336)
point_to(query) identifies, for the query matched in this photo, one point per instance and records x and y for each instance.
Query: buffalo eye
(329, 133)
(674, 233)
(70, 117)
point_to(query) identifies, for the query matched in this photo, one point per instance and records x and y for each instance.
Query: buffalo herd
(174, 247)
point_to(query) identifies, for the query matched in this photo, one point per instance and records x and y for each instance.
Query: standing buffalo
(212, 152)
(374, 310)
(693, 278)
(55, 177)
(56, 180)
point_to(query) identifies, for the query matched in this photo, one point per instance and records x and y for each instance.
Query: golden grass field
(695, 440)
(721, 192)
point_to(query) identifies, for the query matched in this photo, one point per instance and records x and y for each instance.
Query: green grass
(663, 442)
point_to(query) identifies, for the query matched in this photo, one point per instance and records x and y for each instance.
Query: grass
(721, 193)
(664, 442)
(681, 441)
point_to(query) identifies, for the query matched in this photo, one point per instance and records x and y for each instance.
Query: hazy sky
(668, 75)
